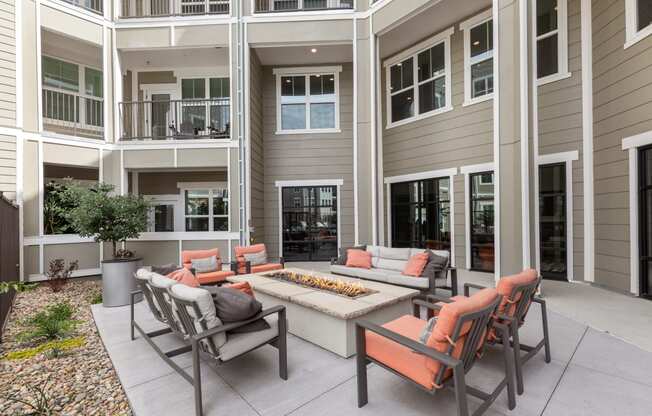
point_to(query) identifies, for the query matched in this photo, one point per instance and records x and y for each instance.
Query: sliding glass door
(421, 214)
(645, 221)
(482, 221)
(553, 224)
(309, 223)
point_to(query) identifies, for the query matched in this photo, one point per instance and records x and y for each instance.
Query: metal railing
(71, 113)
(95, 6)
(162, 8)
(277, 6)
(176, 119)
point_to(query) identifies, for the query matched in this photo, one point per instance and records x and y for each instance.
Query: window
(420, 213)
(197, 104)
(206, 209)
(481, 221)
(418, 81)
(552, 221)
(552, 40)
(60, 74)
(307, 102)
(478, 58)
(638, 17)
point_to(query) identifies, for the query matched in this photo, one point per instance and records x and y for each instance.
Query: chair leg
(282, 346)
(131, 319)
(509, 366)
(546, 335)
(361, 363)
(460, 390)
(517, 358)
(196, 378)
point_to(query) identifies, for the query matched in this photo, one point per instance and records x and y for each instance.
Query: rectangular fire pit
(323, 308)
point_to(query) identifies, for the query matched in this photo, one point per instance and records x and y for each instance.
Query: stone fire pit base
(326, 319)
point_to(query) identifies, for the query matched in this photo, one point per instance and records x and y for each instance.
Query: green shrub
(55, 322)
(5, 287)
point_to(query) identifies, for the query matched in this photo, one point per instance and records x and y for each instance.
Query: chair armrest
(435, 298)
(411, 344)
(228, 327)
(453, 272)
(282, 261)
(469, 286)
(538, 300)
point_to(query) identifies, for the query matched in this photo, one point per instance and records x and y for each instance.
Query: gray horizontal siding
(8, 166)
(257, 165)
(7, 63)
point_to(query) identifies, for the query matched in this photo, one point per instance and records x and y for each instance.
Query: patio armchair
(517, 292)
(456, 343)
(245, 267)
(215, 277)
(191, 315)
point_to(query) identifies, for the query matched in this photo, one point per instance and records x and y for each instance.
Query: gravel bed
(81, 382)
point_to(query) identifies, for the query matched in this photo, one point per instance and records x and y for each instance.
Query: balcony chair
(216, 277)
(189, 313)
(457, 341)
(517, 294)
(245, 267)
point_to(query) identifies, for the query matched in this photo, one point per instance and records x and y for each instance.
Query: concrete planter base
(118, 281)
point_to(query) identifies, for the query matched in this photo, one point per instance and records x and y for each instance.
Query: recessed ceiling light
(476, 43)
(313, 50)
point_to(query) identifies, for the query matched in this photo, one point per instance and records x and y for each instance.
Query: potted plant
(111, 218)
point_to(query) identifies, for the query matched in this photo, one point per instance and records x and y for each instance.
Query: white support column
(356, 233)
(117, 89)
(106, 68)
(39, 80)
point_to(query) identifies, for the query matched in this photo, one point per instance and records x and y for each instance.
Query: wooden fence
(9, 253)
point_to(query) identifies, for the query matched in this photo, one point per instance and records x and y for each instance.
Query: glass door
(309, 223)
(553, 224)
(645, 220)
(482, 221)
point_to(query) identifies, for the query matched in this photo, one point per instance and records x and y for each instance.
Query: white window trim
(433, 174)
(316, 183)
(466, 27)
(632, 144)
(632, 35)
(413, 52)
(550, 159)
(210, 186)
(562, 43)
(467, 171)
(307, 72)
(172, 199)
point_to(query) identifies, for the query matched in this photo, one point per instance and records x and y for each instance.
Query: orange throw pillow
(358, 258)
(244, 287)
(416, 264)
(185, 277)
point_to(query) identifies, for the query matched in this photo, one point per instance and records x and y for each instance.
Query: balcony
(175, 119)
(71, 113)
(163, 8)
(279, 6)
(95, 6)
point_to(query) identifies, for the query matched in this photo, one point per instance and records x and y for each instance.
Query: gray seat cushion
(410, 281)
(238, 344)
(369, 274)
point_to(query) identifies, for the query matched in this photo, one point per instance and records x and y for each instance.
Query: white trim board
(558, 157)
(466, 171)
(440, 173)
(309, 182)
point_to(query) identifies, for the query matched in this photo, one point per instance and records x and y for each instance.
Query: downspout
(242, 151)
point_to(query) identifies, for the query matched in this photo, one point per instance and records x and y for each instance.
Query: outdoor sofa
(190, 314)
(388, 263)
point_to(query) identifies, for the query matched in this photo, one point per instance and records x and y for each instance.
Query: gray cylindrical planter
(118, 281)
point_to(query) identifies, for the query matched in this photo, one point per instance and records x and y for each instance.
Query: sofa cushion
(266, 267)
(507, 284)
(205, 264)
(436, 265)
(409, 281)
(244, 287)
(238, 344)
(358, 258)
(394, 253)
(256, 259)
(341, 260)
(416, 264)
(214, 277)
(233, 305)
(188, 255)
(391, 264)
(204, 301)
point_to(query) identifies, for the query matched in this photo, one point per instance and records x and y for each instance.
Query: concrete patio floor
(592, 373)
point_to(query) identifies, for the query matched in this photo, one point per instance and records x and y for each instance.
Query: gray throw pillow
(256, 259)
(165, 269)
(232, 305)
(427, 330)
(205, 265)
(341, 260)
(435, 265)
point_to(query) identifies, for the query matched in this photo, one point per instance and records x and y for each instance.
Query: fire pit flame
(337, 286)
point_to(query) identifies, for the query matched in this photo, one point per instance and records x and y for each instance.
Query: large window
(638, 20)
(205, 99)
(481, 221)
(206, 209)
(478, 58)
(421, 214)
(552, 221)
(551, 39)
(307, 102)
(418, 81)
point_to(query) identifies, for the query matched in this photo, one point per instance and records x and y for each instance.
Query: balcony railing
(278, 6)
(162, 8)
(175, 119)
(95, 6)
(73, 114)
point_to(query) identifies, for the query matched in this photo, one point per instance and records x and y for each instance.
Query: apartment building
(513, 133)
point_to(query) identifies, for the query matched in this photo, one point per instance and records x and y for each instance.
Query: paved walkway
(592, 373)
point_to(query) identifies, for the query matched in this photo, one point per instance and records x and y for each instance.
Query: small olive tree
(105, 216)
